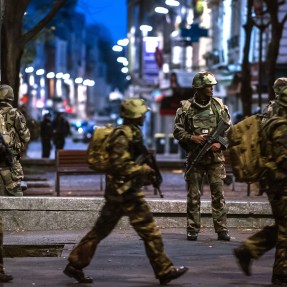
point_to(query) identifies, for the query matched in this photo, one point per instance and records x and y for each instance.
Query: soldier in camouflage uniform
(124, 197)
(18, 136)
(274, 183)
(16, 133)
(196, 118)
(278, 106)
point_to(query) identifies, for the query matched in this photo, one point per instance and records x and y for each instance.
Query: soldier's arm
(21, 127)
(179, 130)
(121, 161)
(279, 140)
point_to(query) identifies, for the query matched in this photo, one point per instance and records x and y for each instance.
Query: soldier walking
(274, 183)
(124, 197)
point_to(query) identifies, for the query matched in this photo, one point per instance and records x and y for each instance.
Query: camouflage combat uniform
(275, 185)
(124, 197)
(19, 135)
(193, 120)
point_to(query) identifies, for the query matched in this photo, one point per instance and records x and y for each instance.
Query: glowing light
(117, 48)
(50, 75)
(173, 3)
(145, 28)
(29, 70)
(123, 42)
(161, 10)
(59, 75)
(78, 80)
(40, 72)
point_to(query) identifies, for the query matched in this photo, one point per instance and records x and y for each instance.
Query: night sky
(111, 13)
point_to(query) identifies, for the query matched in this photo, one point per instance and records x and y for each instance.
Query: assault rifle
(7, 155)
(148, 158)
(202, 150)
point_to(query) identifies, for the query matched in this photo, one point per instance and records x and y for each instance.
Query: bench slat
(72, 162)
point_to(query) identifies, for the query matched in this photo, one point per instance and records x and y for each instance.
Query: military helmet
(279, 85)
(203, 79)
(133, 108)
(6, 93)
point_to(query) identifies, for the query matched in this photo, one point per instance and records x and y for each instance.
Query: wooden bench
(72, 162)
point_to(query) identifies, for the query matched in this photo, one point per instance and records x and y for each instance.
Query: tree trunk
(13, 41)
(246, 89)
(274, 45)
(11, 45)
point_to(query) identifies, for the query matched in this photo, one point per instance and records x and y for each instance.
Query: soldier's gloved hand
(147, 170)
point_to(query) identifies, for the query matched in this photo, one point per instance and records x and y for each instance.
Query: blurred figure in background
(61, 129)
(33, 126)
(46, 135)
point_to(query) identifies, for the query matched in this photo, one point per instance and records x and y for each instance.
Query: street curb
(71, 213)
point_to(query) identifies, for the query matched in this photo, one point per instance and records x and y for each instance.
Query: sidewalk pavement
(120, 260)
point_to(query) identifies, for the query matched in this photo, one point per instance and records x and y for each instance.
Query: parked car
(82, 130)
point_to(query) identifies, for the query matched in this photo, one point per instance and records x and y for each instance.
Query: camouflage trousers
(272, 236)
(142, 221)
(11, 179)
(215, 174)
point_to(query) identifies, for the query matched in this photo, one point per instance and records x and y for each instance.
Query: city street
(120, 260)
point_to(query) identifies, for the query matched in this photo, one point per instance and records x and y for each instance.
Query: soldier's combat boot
(244, 259)
(279, 279)
(16, 191)
(5, 277)
(223, 235)
(192, 235)
(77, 274)
(173, 274)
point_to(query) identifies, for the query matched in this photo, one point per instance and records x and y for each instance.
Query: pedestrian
(274, 183)
(46, 135)
(33, 126)
(124, 197)
(61, 129)
(196, 118)
(16, 136)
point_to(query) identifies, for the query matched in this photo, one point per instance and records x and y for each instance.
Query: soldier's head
(6, 93)
(203, 83)
(280, 89)
(203, 79)
(134, 110)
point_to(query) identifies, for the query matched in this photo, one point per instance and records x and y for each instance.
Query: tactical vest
(202, 121)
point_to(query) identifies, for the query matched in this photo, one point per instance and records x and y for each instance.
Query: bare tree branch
(40, 25)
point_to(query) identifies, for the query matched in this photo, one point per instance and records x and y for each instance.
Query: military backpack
(246, 141)
(98, 154)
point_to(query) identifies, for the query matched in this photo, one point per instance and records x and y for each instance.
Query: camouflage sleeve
(179, 131)
(121, 161)
(227, 118)
(279, 144)
(21, 127)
